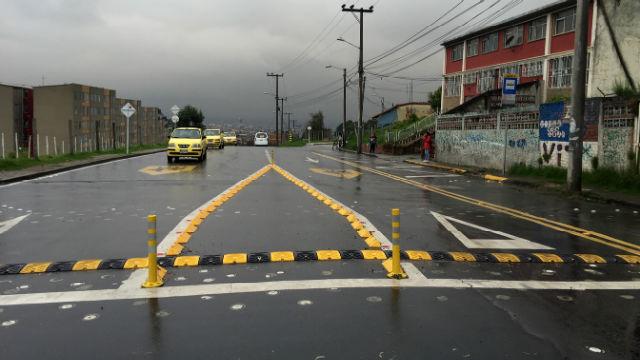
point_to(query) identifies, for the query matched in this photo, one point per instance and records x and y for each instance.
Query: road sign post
(128, 110)
(309, 133)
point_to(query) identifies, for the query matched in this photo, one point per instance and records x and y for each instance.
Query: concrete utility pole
(282, 100)
(277, 76)
(344, 105)
(288, 120)
(578, 82)
(360, 71)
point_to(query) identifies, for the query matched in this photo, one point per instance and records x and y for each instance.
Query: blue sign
(553, 127)
(509, 89)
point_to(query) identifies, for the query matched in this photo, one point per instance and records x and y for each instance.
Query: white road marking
(72, 170)
(8, 224)
(312, 160)
(431, 176)
(138, 276)
(416, 280)
(511, 241)
(268, 154)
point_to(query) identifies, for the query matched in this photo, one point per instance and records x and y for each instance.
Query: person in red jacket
(426, 147)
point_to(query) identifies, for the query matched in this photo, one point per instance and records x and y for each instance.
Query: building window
(489, 43)
(456, 52)
(532, 69)
(470, 78)
(452, 86)
(560, 72)
(538, 29)
(487, 80)
(565, 21)
(513, 36)
(472, 47)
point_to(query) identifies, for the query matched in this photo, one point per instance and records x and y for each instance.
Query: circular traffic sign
(175, 118)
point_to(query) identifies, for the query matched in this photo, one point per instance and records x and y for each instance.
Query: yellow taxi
(215, 138)
(230, 138)
(186, 142)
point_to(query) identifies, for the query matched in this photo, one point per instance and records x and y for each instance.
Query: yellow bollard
(396, 269)
(152, 248)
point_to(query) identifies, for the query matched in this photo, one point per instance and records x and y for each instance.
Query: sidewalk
(48, 169)
(590, 193)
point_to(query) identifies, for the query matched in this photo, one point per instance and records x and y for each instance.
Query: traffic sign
(128, 110)
(175, 109)
(175, 119)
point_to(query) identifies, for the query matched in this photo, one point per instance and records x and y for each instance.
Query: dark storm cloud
(213, 54)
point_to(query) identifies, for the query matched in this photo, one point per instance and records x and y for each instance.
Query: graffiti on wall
(615, 144)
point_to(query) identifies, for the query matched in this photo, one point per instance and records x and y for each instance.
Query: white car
(261, 139)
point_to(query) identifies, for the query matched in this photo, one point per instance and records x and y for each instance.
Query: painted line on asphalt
(170, 241)
(552, 224)
(373, 237)
(416, 280)
(73, 170)
(431, 176)
(313, 255)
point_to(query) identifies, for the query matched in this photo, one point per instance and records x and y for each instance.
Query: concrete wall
(6, 118)
(616, 143)
(485, 148)
(405, 111)
(52, 109)
(623, 16)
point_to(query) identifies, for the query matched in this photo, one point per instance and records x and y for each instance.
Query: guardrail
(412, 132)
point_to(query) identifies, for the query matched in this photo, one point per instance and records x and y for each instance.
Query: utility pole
(344, 105)
(288, 120)
(362, 11)
(282, 100)
(578, 82)
(277, 76)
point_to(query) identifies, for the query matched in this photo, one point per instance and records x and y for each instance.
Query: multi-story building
(16, 116)
(119, 123)
(153, 125)
(537, 46)
(78, 115)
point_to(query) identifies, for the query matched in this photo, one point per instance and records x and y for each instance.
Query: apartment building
(537, 46)
(16, 116)
(119, 123)
(153, 125)
(76, 115)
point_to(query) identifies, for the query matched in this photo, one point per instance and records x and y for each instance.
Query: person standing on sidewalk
(373, 141)
(426, 147)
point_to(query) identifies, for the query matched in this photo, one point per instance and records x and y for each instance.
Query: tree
(190, 116)
(317, 121)
(434, 99)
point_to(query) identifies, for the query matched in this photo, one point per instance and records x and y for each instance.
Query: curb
(355, 152)
(313, 255)
(72, 167)
(437, 166)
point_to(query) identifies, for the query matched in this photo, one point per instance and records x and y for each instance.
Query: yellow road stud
(328, 255)
(84, 265)
(462, 256)
(418, 255)
(506, 257)
(364, 233)
(372, 242)
(357, 225)
(373, 254)
(186, 261)
(591, 258)
(548, 258)
(351, 218)
(175, 249)
(136, 263)
(278, 256)
(335, 207)
(191, 228)
(239, 258)
(183, 238)
(33, 268)
(630, 259)
(344, 212)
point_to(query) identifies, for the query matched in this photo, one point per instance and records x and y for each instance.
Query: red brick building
(538, 46)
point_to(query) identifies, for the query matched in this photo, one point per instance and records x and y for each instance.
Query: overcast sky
(215, 54)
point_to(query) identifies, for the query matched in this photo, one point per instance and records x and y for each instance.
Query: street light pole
(277, 76)
(576, 132)
(344, 99)
(360, 71)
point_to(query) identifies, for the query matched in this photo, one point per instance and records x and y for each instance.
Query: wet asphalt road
(99, 212)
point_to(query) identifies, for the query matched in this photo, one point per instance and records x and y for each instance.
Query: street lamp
(345, 41)
(344, 100)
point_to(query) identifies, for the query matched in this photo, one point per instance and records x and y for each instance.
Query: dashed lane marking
(416, 280)
(314, 255)
(593, 236)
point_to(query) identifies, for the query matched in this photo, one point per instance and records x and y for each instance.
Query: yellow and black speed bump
(315, 255)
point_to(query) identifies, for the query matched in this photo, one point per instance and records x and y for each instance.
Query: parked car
(230, 138)
(186, 142)
(261, 139)
(215, 138)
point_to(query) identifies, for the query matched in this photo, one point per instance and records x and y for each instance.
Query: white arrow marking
(313, 160)
(8, 224)
(511, 241)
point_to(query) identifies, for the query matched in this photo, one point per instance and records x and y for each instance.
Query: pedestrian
(373, 141)
(340, 144)
(426, 147)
